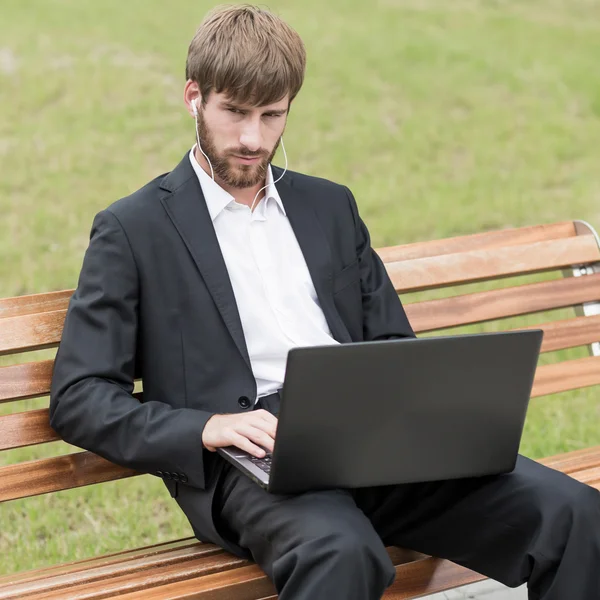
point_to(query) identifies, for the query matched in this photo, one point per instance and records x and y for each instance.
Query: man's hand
(246, 431)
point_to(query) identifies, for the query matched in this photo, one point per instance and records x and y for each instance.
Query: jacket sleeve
(383, 314)
(91, 401)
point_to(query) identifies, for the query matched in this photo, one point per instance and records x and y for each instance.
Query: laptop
(398, 411)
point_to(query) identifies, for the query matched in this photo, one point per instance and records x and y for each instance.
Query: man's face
(240, 141)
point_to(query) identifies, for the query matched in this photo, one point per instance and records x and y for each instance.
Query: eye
(236, 111)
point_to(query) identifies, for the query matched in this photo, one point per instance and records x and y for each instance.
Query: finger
(265, 415)
(243, 443)
(267, 426)
(257, 436)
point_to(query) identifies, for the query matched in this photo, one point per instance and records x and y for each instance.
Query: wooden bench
(567, 257)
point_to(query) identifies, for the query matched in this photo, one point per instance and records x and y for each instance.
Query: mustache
(246, 154)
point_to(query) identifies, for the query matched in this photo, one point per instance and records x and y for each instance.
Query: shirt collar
(217, 198)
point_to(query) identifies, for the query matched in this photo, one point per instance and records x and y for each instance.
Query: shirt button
(244, 401)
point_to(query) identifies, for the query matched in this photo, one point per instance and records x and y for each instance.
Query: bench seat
(185, 568)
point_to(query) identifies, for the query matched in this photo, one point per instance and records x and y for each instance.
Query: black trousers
(533, 525)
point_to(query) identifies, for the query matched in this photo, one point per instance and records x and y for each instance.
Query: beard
(235, 175)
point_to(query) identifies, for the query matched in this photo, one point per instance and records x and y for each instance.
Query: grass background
(444, 117)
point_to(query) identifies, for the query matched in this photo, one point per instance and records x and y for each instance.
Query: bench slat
(34, 303)
(566, 375)
(31, 332)
(45, 475)
(426, 575)
(112, 581)
(27, 380)
(28, 428)
(570, 333)
(244, 583)
(32, 427)
(508, 302)
(559, 377)
(466, 267)
(35, 332)
(192, 560)
(576, 460)
(429, 576)
(104, 560)
(489, 240)
(589, 476)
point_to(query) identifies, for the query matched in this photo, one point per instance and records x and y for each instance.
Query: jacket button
(183, 478)
(244, 401)
(167, 475)
(175, 476)
(159, 473)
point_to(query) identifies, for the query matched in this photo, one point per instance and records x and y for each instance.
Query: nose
(250, 137)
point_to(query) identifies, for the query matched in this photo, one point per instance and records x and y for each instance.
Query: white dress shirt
(274, 292)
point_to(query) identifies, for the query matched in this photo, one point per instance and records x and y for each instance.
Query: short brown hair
(248, 53)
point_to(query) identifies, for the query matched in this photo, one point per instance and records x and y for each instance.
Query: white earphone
(278, 179)
(195, 111)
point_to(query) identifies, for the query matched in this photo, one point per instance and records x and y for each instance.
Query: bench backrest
(431, 277)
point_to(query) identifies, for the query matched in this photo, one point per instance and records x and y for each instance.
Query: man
(200, 283)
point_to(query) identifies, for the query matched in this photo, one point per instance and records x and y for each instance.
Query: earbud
(195, 108)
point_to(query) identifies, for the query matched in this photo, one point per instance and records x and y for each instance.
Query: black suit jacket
(154, 300)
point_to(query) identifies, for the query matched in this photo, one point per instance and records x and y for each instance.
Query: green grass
(444, 117)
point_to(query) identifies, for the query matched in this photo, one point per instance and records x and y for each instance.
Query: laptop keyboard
(262, 463)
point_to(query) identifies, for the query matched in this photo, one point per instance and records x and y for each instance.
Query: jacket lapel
(184, 202)
(315, 248)
(185, 205)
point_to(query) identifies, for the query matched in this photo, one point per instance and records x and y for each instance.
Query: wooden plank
(488, 240)
(508, 302)
(428, 576)
(151, 552)
(589, 476)
(28, 428)
(27, 380)
(47, 580)
(31, 332)
(41, 476)
(569, 333)
(575, 460)
(93, 579)
(478, 265)
(566, 375)
(33, 304)
(244, 583)
(423, 576)
(114, 580)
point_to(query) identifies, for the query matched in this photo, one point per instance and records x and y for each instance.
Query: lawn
(444, 117)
